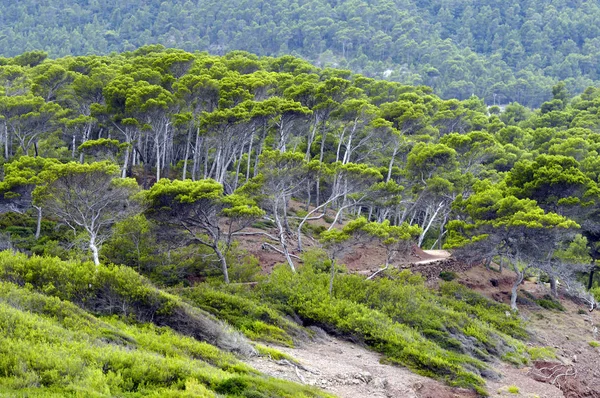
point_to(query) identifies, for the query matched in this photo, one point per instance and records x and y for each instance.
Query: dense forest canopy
(242, 136)
(500, 51)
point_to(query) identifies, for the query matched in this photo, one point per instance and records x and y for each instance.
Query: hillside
(501, 52)
(172, 210)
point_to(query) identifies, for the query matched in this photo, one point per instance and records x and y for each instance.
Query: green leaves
(425, 160)
(165, 191)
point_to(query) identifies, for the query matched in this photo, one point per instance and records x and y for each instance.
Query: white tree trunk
(38, 229)
(94, 250)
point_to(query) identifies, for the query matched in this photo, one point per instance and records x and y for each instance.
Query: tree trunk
(391, 164)
(73, 146)
(553, 286)
(125, 161)
(282, 239)
(157, 143)
(422, 236)
(311, 138)
(195, 165)
(515, 288)
(332, 276)
(38, 229)
(249, 155)
(591, 278)
(94, 250)
(223, 262)
(187, 153)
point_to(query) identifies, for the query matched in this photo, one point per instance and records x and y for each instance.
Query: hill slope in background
(503, 52)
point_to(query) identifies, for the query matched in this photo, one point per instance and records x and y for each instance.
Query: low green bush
(117, 290)
(387, 314)
(51, 347)
(448, 276)
(257, 321)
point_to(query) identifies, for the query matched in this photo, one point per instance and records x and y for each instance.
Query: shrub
(550, 303)
(513, 389)
(70, 352)
(541, 353)
(448, 276)
(117, 290)
(257, 321)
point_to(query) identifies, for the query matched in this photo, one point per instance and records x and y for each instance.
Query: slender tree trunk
(515, 287)
(433, 216)
(195, 165)
(157, 144)
(553, 286)
(249, 155)
(311, 138)
(321, 154)
(38, 229)
(125, 161)
(591, 277)
(73, 142)
(391, 165)
(282, 238)
(6, 143)
(239, 164)
(187, 153)
(223, 262)
(94, 250)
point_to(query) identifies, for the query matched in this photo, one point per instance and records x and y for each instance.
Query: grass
(513, 389)
(536, 353)
(547, 301)
(273, 353)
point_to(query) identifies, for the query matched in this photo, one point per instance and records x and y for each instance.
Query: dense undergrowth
(52, 347)
(72, 328)
(453, 334)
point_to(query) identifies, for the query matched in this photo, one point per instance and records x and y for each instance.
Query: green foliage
(70, 352)
(448, 276)
(550, 303)
(399, 317)
(594, 344)
(115, 290)
(257, 321)
(430, 43)
(541, 353)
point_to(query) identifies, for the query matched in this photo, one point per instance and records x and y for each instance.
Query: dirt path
(433, 256)
(350, 371)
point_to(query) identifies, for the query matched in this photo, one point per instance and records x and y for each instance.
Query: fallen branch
(254, 234)
(378, 272)
(299, 375)
(265, 244)
(296, 365)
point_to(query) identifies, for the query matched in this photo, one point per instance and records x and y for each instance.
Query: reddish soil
(575, 372)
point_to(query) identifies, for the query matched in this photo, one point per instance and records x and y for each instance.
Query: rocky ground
(351, 371)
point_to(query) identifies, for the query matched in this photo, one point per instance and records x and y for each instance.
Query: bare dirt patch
(351, 371)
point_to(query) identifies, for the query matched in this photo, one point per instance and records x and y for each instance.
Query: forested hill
(501, 51)
(186, 167)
